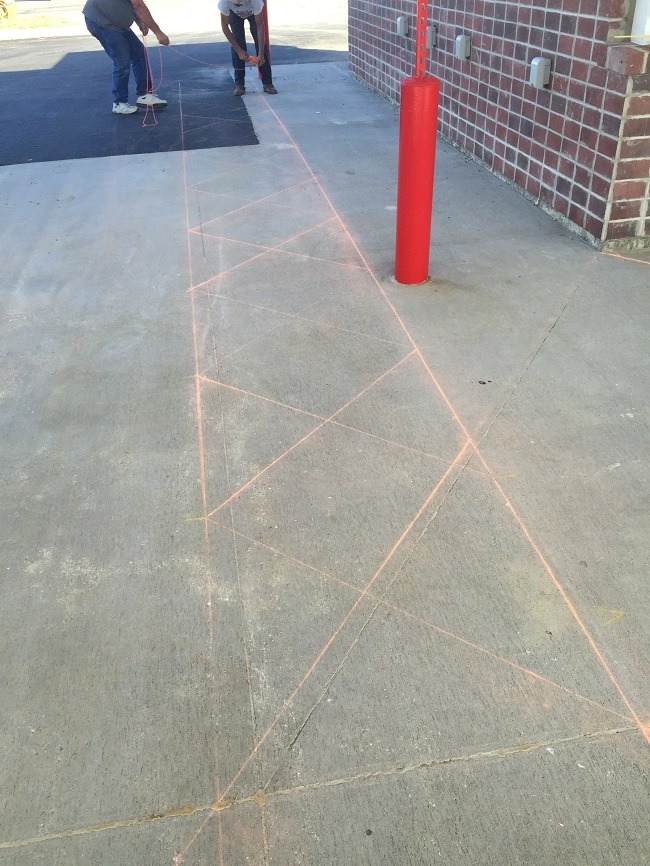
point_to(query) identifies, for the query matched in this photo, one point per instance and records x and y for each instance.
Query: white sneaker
(124, 108)
(151, 100)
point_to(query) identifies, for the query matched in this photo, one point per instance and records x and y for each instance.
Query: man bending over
(110, 21)
(233, 15)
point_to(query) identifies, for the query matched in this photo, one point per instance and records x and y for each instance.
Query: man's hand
(242, 55)
(145, 19)
(259, 60)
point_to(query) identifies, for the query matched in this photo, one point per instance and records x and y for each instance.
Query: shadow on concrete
(62, 109)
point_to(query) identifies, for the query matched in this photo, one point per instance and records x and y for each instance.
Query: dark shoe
(269, 88)
(239, 90)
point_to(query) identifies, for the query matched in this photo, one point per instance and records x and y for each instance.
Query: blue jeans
(127, 52)
(237, 27)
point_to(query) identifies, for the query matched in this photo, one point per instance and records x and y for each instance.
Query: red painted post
(417, 150)
(265, 14)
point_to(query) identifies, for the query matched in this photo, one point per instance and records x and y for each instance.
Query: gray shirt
(114, 14)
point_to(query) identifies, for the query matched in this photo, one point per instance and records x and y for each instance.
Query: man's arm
(227, 32)
(144, 17)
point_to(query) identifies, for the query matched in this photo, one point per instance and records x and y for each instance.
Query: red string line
(151, 86)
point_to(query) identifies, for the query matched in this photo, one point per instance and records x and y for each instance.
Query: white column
(641, 23)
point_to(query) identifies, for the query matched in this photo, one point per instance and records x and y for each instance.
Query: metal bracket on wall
(463, 47)
(402, 26)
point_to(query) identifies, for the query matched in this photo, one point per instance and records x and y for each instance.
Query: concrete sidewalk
(302, 566)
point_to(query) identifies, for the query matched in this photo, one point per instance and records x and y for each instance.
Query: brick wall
(580, 148)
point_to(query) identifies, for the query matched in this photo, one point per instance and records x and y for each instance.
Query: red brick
(623, 210)
(537, 17)
(585, 156)
(611, 124)
(594, 225)
(586, 26)
(599, 54)
(636, 126)
(594, 96)
(548, 178)
(627, 59)
(614, 103)
(566, 167)
(571, 130)
(553, 142)
(577, 90)
(634, 169)
(547, 195)
(639, 105)
(608, 145)
(533, 187)
(520, 178)
(641, 83)
(561, 67)
(625, 189)
(561, 205)
(597, 206)
(597, 76)
(600, 185)
(537, 152)
(577, 214)
(580, 70)
(635, 148)
(582, 176)
(552, 160)
(579, 196)
(582, 49)
(604, 165)
(560, 85)
(589, 137)
(621, 230)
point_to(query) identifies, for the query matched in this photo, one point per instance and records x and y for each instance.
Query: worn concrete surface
(301, 566)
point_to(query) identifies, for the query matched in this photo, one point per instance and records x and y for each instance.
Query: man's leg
(138, 64)
(115, 44)
(237, 27)
(142, 74)
(265, 68)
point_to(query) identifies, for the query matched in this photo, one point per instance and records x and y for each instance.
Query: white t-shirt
(244, 9)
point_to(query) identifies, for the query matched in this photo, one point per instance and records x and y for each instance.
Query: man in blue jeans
(110, 22)
(233, 15)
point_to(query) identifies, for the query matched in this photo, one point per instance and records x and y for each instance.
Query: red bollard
(265, 14)
(418, 122)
